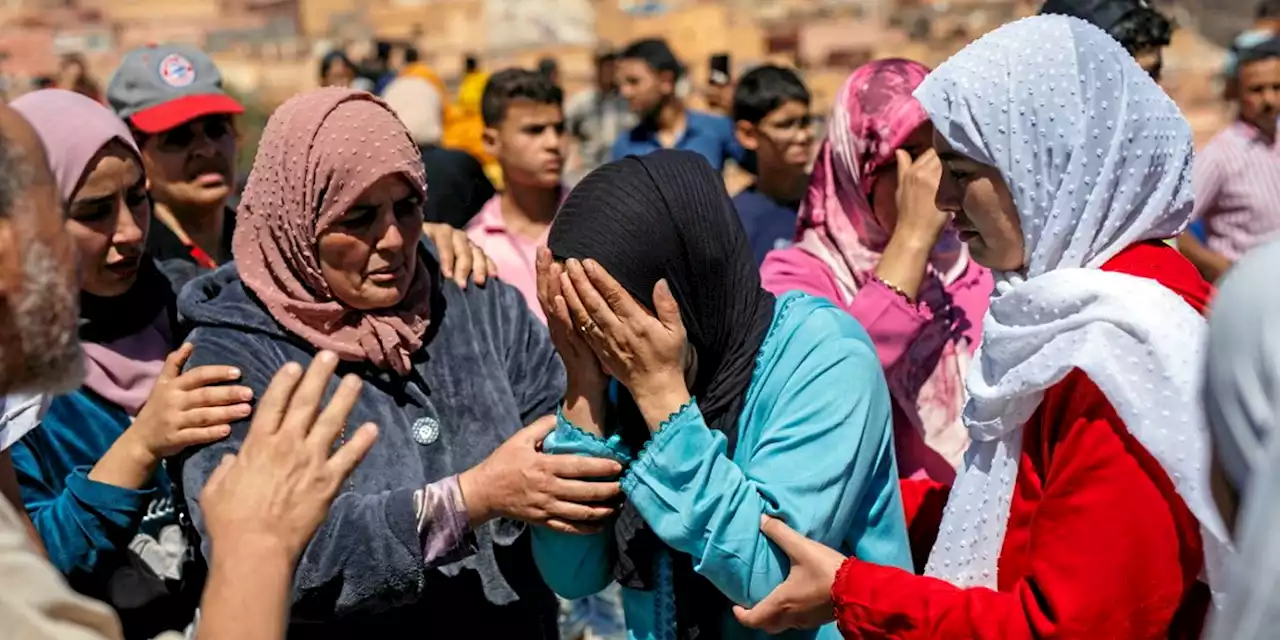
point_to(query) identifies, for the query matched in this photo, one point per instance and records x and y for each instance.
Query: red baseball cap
(157, 88)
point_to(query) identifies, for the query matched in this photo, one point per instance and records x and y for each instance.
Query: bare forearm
(585, 410)
(903, 262)
(13, 493)
(247, 597)
(657, 407)
(125, 465)
(1210, 263)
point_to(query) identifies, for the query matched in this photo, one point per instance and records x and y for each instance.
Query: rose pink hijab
(318, 154)
(74, 128)
(873, 116)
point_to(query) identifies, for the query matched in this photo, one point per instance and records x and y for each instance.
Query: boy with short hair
(773, 123)
(524, 130)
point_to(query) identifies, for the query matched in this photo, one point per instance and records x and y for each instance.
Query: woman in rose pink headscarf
(870, 239)
(429, 535)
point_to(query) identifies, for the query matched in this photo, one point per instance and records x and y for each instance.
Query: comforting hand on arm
(460, 259)
(183, 410)
(691, 494)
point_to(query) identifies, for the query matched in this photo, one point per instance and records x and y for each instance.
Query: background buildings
(268, 49)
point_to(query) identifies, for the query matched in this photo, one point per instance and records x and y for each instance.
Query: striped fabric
(1237, 186)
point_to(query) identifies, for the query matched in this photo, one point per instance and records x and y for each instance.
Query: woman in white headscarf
(1242, 404)
(1083, 509)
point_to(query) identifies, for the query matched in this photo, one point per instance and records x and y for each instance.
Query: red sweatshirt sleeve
(1109, 551)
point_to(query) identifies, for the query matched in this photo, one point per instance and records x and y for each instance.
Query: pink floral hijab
(318, 154)
(873, 116)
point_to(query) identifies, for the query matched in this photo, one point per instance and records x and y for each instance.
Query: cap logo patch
(177, 71)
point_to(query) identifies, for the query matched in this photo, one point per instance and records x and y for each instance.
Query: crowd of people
(989, 358)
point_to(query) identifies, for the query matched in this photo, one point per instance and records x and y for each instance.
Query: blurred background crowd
(512, 102)
(269, 50)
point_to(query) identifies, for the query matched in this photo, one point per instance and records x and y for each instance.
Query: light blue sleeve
(577, 566)
(818, 455)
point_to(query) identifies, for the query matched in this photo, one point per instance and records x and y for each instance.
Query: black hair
(548, 67)
(332, 57)
(509, 85)
(1267, 10)
(655, 53)
(764, 89)
(1265, 50)
(411, 55)
(383, 50)
(470, 63)
(1142, 30)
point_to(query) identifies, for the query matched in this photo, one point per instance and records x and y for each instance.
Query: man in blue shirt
(647, 76)
(774, 124)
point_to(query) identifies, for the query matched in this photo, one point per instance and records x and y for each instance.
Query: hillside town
(639, 319)
(268, 50)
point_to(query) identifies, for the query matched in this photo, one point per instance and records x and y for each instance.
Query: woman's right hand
(519, 481)
(581, 363)
(904, 261)
(585, 391)
(918, 215)
(187, 409)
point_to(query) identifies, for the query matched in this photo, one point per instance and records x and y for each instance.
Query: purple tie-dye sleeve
(443, 526)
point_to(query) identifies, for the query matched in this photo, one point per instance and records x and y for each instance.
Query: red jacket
(1098, 545)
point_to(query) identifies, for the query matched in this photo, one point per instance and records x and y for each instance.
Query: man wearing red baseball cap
(182, 119)
(173, 100)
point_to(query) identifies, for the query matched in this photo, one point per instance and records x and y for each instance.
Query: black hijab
(667, 215)
(104, 320)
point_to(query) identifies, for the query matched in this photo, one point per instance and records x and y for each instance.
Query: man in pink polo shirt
(524, 130)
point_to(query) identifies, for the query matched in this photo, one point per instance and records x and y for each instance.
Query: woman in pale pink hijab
(870, 239)
(90, 472)
(430, 532)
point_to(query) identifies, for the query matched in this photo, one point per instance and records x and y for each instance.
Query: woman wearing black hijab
(723, 404)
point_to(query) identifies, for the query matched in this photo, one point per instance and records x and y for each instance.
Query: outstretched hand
(803, 600)
(276, 490)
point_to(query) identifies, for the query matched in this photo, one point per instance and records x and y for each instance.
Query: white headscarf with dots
(1097, 158)
(1242, 403)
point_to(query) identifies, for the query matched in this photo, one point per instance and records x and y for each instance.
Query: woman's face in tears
(984, 214)
(367, 256)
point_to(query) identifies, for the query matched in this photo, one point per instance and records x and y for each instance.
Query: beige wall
(314, 15)
(156, 10)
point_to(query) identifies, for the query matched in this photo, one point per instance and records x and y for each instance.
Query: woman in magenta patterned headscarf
(870, 239)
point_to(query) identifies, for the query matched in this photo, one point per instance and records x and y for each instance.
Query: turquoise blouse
(815, 448)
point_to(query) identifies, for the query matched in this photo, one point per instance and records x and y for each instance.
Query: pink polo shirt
(1236, 178)
(514, 255)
